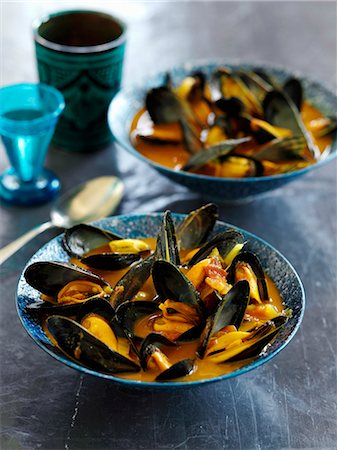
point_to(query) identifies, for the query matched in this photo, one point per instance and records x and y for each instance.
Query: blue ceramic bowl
(136, 226)
(226, 190)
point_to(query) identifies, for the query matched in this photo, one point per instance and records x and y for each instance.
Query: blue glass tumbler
(28, 115)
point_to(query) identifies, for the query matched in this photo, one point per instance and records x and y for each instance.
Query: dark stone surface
(288, 403)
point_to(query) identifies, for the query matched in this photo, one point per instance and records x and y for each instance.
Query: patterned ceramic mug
(81, 54)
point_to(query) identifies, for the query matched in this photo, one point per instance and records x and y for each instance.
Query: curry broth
(204, 368)
(174, 156)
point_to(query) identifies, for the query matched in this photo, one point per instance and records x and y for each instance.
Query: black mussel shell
(97, 306)
(167, 80)
(280, 110)
(100, 307)
(268, 79)
(196, 227)
(167, 248)
(171, 284)
(230, 311)
(211, 153)
(287, 149)
(255, 83)
(201, 77)
(82, 238)
(178, 370)
(134, 279)
(191, 140)
(224, 242)
(150, 344)
(253, 261)
(265, 334)
(293, 88)
(83, 347)
(129, 312)
(164, 106)
(111, 261)
(232, 106)
(50, 277)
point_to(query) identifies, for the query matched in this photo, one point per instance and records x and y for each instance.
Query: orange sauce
(204, 368)
(174, 156)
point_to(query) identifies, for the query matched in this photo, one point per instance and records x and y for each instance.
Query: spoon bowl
(89, 201)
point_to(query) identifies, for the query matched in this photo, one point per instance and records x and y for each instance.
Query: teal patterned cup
(81, 54)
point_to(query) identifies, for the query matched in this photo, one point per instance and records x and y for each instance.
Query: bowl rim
(123, 94)
(154, 384)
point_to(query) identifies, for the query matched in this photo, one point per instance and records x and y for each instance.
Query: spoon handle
(14, 246)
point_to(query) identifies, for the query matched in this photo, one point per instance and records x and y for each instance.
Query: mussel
(111, 261)
(82, 346)
(238, 346)
(246, 266)
(64, 286)
(195, 228)
(228, 243)
(166, 247)
(130, 283)
(177, 370)
(172, 284)
(81, 239)
(280, 110)
(151, 350)
(230, 311)
(164, 106)
(128, 313)
(212, 153)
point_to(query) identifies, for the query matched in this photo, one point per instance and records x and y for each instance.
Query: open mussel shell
(111, 261)
(191, 140)
(128, 286)
(195, 228)
(50, 277)
(293, 88)
(177, 370)
(150, 344)
(171, 283)
(210, 154)
(128, 313)
(225, 242)
(166, 247)
(83, 347)
(230, 311)
(259, 86)
(164, 106)
(96, 306)
(82, 238)
(99, 307)
(260, 338)
(280, 110)
(287, 149)
(253, 262)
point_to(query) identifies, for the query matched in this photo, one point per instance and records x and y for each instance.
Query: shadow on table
(211, 416)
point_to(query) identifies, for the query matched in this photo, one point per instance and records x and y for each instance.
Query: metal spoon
(89, 201)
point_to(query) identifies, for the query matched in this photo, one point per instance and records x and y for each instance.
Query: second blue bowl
(226, 190)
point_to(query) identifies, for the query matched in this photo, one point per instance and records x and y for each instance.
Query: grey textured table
(288, 403)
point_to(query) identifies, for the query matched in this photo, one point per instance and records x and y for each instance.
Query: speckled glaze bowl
(137, 226)
(225, 190)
